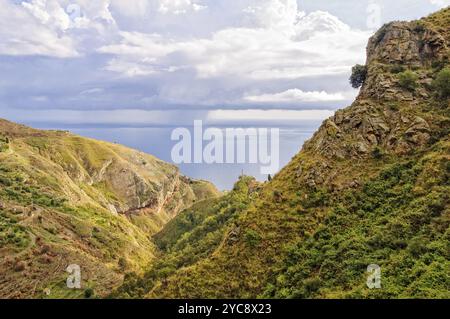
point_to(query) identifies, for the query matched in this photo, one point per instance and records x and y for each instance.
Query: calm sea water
(157, 141)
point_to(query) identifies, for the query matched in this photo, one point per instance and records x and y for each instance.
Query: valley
(371, 187)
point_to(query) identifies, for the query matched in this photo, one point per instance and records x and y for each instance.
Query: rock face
(377, 118)
(408, 43)
(402, 45)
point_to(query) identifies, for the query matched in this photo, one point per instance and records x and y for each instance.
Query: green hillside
(67, 200)
(193, 235)
(370, 187)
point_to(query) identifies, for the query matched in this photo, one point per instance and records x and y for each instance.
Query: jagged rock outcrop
(375, 119)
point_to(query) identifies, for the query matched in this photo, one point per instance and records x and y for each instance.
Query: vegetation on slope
(371, 187)
(68, 200)
(192, 236)
(398, 220)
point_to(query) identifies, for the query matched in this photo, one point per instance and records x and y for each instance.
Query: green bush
(316, 198)
(442, 83)
(359, 75)
(408, 80)
(397, 68)
(4, 143)
(252, 238)
(88, 293)
(419, 27)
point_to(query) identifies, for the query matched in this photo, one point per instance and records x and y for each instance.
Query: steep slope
(370, 187)
(67, 200)
(193, 235)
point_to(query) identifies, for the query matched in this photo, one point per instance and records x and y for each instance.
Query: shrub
(442, 83)
(312, 285)
(359, 75)
(419, 27)
(278, 196)
(397, 68)
(252, 238)
(88, 293)
(394, 106)
(408, 80)
(317, 198)
(377, 153)
(416, 248)
(123, 263)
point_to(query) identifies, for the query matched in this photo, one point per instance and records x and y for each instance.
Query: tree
(269, 178)
(442, 83)
(408, 80)
(359, 75)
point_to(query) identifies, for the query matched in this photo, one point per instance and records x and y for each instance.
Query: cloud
(280, 15)
(37, 34)
(217, 116)
(181, 54)
(440, 3)
(319, 22)
(135, 8)
(49, 13)
(177, 7)
(283, 44)
(296, 96)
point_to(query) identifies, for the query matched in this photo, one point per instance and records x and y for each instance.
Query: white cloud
(296, 96)
(49, 12)
(60, 16)
(33, 32)
(217, 116)
(319, 22)
(440, 3)
(177, 7)
(280, 15)
(135, 8)
(285, 45)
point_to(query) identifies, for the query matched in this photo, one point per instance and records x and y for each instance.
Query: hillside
(370, 187)
(67, 200)
(193, 235)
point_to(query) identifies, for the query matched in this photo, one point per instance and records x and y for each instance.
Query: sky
(105, 65)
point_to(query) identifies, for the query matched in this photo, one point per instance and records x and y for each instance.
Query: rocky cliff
(387, 117)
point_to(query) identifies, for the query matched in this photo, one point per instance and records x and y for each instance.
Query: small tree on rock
(359, 75)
